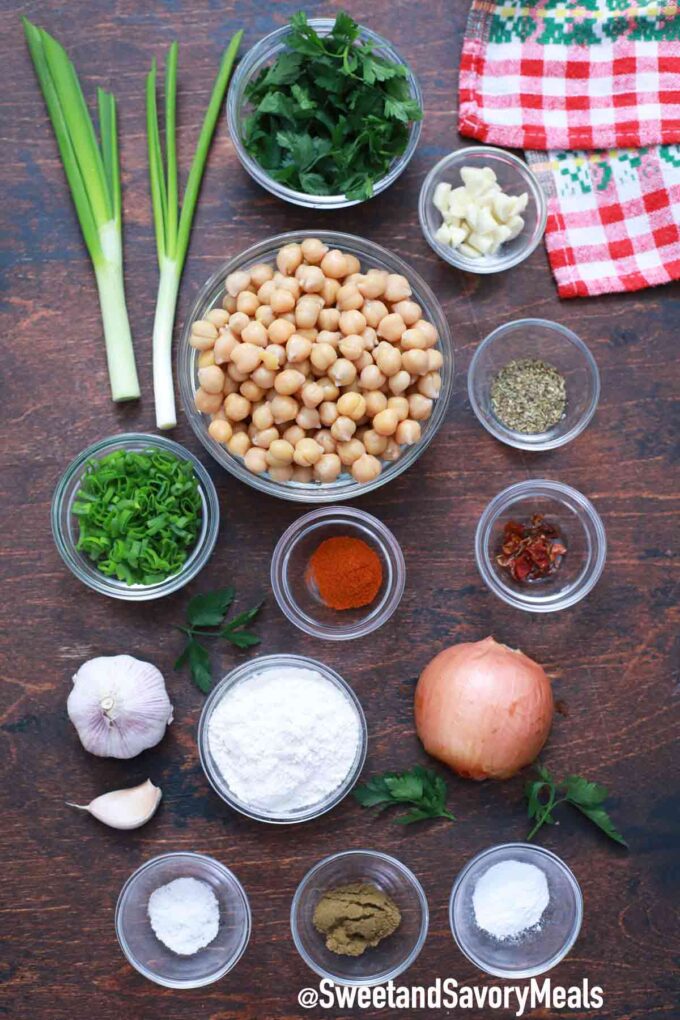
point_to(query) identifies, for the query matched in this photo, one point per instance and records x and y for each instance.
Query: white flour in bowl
(510, 898)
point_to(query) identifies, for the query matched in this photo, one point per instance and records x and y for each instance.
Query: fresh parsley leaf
(209, 608)
(545, 794)
(243, 639)
(199, 664)
(420, 787)
(242, 619)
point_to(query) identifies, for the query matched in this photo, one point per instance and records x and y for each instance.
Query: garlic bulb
(119, 706)
(124, 809)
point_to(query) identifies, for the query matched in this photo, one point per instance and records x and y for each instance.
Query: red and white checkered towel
(603, 75)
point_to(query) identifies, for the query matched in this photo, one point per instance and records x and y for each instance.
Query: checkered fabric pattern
(565, 75)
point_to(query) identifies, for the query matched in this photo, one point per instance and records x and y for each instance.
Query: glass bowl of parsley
(324, 113)
(135, 516)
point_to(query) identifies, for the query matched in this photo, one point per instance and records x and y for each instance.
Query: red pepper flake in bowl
(531, 552)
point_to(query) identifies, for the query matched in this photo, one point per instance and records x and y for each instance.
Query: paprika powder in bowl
(338, 573)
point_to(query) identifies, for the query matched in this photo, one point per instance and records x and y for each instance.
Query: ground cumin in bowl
(338, 573)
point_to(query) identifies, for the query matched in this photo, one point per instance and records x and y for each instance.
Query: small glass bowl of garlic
(482, 209)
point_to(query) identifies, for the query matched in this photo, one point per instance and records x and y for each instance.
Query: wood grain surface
(612, 657)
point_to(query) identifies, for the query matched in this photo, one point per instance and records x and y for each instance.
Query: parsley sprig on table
(206, 615)
(329, 115)
(421, 788)
(545, 794)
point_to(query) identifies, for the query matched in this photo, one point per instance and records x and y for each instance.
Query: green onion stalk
(173, 226)
(92, 170)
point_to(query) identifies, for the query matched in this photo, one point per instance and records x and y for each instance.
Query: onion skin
(483, 709)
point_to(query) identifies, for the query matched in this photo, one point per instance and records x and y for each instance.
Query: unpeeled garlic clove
(124, 809)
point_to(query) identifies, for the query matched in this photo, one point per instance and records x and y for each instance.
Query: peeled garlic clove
(124, 809)
(441, 196)
(521, 203)
(482, 242)
(503, 207)
(477, 180)
(458, 235)
(516, 226)
(119, 706)
(443, 234)
(459, 200)
(467, 249)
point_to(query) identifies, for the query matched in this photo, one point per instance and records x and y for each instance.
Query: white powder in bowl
(284, 739)
(184, 915)
(510, 898)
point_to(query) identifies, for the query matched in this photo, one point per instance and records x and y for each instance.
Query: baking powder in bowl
(284, 738)
(510, 898)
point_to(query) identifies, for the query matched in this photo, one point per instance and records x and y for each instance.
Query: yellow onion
(483, 709)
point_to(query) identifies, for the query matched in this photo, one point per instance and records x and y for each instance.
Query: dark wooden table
(611, 657)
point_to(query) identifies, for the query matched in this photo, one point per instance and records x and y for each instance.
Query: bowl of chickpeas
(315, 366)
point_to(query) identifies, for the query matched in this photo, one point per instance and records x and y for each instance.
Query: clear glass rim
(412, 881)
(540, 441)
(539, 851)
(229, 877)
(537, 603)
(284, 597)
(479, 266)
(199, 555)
(235, 676)
(312, 493)
(245, 70)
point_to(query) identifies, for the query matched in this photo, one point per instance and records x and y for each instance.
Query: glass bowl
(580, 527)
(149, 955)
(263, 53)
(514, 177)
(210, 296)
(296, 593)
(65, 524)
(392, 956)
(545, 341)
(213, 773)
(540, 948)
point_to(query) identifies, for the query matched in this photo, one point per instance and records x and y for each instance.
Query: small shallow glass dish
(581, 530)
(149, 955)
(65, 523)
(514, 177)
(215, 777)
(297, 595)
(541, 340)
(389, 958)
(210, 296)
(540, 948)
(264, 53)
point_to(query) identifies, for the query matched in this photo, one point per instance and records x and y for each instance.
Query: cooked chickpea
(400, 405)
(342, 372)
(373, 284)
(311, 394)
(352, 405)
(313, 250)
(343, 428)
(218, 316)
(206, 358)
(415, 361)
(419, 407)
(255, 333)
(428, 329)
(221, 431)
(329, 336)
(392, 451)
(328, 467)
(374, 443)
(251, 391)
(260, 273)
(229, 303)
(330, 390)
(224, 345)
(263, 377)
(414, 339)
(325, 441)
(247, 302)
(385, 422)
(387, 358)
(307, 452)
(284, 408)
(246, 357)
(305, 475)
(239, 444)
(280, 331)
(329, 319)
(282, 301)
(255, 460)
(280, 452)
(274, 357)
(399, 383)
(391, 327)
(349, 297)
(330, 291)
(262, 417)
(397, 288)
(264, 293)
(207, 403)
(366, 468)
(328, 412)
(310, 278)
(238, 322)
(281, 472)
(307, 312)
(408, 432)
(374, 312)
(236, 407)
(371, 378)
(335, 265)
(237, 282)
(265, 315)
(375, 401)
(289, 258)
(370, 338)
(351, 347)
(298, 348)
(288, 382)
(322, 356)
(350, 451)
(435, 360)
(230, 386)
(353, 264)
(363, 361)
(203, 335)
(308, 418)
(430, 385)
(352, 322)
(236, 374)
